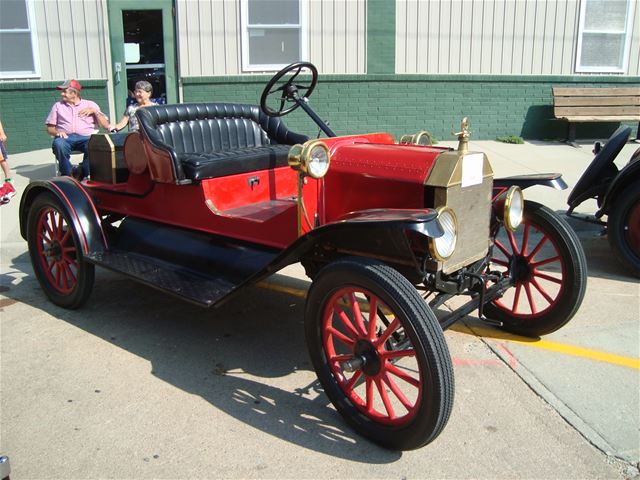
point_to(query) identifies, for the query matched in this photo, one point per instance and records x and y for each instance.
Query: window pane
(14, 14)
(15, 52)
(274, 12)
(602, 50)
(605, 15)
(276, 46)
(144, 27)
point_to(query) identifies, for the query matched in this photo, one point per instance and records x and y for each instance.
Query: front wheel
(379, 353)
(548, 265)
(623, 228)
(56, 254)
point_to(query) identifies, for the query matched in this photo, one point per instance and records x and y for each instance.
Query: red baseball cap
(70, 84)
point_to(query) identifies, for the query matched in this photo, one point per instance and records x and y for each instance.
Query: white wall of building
(209, 36)
(510, 37)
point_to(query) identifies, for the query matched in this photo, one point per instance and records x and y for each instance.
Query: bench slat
(595, 92)
(589, 111)
(594, 101)
(602, 118)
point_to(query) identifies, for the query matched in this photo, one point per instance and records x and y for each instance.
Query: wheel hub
(368, 357)
(520, 268)
(54, 251)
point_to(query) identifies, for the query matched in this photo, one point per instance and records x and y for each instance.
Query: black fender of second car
(630, 173)
(77, 205)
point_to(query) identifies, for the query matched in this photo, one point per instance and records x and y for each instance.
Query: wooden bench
(584, 104)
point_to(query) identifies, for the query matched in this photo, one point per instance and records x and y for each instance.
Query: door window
(604, 36)
(18, 41)
(273, 33)
(144, 50)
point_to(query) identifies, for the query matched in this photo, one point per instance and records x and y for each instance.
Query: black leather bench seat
(197, 166)
(191, 142)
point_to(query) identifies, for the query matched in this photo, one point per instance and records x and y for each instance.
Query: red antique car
(210, 198)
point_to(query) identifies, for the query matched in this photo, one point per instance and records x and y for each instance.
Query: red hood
(370, 171)
(409, 163)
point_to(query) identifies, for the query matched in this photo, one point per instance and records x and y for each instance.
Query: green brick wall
(24, 106)
(399, 104)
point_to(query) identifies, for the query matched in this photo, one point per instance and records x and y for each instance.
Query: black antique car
(617, 193)
(210, 198)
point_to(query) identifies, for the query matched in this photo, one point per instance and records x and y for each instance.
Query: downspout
(176, 29)
(107, 56)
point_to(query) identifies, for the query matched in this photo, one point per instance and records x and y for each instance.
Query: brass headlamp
(312, 158)
(421, 138)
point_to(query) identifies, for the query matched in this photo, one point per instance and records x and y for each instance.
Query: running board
(184, 283)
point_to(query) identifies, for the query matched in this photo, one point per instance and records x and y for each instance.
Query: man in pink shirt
(71, 121)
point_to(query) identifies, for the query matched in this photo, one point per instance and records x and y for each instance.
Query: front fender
(77, 205)
(387, 235)
(553, 180)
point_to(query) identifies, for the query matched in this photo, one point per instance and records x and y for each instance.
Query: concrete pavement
(139, 385)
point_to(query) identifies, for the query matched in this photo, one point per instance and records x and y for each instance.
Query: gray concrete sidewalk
(139, 385)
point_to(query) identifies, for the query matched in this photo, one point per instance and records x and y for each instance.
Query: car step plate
(187, 284)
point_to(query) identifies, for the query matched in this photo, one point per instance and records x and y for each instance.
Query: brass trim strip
(113, 157)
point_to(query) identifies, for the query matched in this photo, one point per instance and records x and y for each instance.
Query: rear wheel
(379, 353)
(545, 258)
(56, 255)
(623, 228)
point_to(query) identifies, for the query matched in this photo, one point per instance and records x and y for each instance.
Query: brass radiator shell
(471, 204)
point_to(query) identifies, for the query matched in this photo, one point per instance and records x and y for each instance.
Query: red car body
(211, 198)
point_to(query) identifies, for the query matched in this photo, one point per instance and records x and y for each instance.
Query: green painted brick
(24, 108)
(497, 105)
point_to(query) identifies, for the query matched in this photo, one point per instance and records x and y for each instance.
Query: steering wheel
(290, 89)
(599, 165)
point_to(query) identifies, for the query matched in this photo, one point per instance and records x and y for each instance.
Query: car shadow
(601, 261)
(36, 172)
(239, 357)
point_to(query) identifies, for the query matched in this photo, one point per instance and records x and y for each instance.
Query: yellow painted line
(564, 348)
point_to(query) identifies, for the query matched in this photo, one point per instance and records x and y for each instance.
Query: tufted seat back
(195, 141)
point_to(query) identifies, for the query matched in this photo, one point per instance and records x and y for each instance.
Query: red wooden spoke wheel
(548, 266)
(56, 255)
(632, 231)
(379, 353)
(382, 381)
(623, 227)
(57, 251)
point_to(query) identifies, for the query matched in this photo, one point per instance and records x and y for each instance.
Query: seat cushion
(197, 166)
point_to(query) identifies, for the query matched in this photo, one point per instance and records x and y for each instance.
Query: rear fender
(78, 206)
(630, 173)
(553, 180)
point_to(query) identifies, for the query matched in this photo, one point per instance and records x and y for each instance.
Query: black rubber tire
(623, 228)
(69, 263)
(561, 242)
(435, 392)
